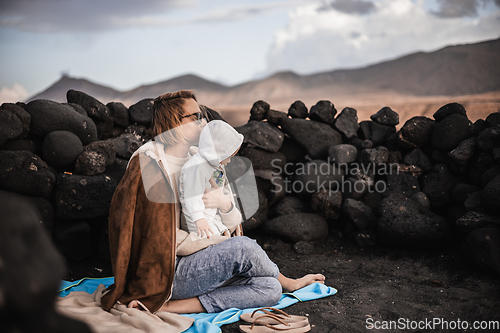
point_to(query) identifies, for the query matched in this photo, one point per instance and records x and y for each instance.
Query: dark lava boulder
(73, 239)
(489, 138)
(119, 113)
(404, 223)
(11, 127)
(298, 110)
(141, 112)
(288, 205)
(21, 114)
(24, 172)
(376, 133)
(459, 158)
(490, 196)
(262, 135)
(347, 122)
(450, 131)
(313, 136)
(323, 111)
(292, 150)
(274, 117)
(342, 154)
(260, 216)
(359, 213)
(297, 227)
(48, 116)
(314, 176)
(95, 158)
(61, 148)
(327, 204)
(259, 110)
(419, 158)
(386, 116)
(83, 197)
(416, 132)
(96, 110)
(438, 184)
(449, 109)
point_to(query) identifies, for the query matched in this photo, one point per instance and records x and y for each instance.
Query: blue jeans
(236, 273)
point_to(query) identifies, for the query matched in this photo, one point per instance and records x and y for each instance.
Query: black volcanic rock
(48, 116)
(416, 132)
(260, 217)
(376, 133)
(490, 196)
(83, 197)
(77, 108)
(342, 154)
(489, 138)
(11, 126)
(314, 176)
(95, 158)
(327, 204)
(386, 116)
(119, 113)
(288, 205)
(493, 119)
(262, 159)
(419, 158)
(96, 110)
(24, 172)
(141, 112)
(292, 150)
(313, 136)
(297, 227)
(379, 155)
(461, 191)
(359, 213)
(404, 223)
(449, 109)
(262, 135)
(259, 110)
(479, 164)
(450, 131)
(23, 116)
(298, 110)
(323, 111)
(274, 117)
(61, 148)
(482, 248)
(19, 144)
(126, 144)
(438, 184)
(347, 122)
(460, 157)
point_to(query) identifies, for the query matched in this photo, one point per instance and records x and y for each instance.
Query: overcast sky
(126, 43)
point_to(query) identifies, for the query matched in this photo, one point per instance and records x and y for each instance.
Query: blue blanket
(210, 322)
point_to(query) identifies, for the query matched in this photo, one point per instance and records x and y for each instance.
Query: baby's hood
(218, 141)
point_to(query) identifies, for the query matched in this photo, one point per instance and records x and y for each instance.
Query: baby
(218, 143)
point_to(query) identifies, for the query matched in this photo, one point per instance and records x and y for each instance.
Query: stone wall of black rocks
(432, 183)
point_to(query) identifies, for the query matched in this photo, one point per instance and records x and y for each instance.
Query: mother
(159, 267)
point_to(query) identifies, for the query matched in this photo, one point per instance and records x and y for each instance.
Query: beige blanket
(87, 308)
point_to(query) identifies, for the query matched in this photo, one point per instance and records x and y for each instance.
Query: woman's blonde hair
(168, 110)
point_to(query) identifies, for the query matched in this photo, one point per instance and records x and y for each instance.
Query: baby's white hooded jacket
(218, 141)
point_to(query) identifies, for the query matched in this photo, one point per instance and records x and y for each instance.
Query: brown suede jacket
(143, 238)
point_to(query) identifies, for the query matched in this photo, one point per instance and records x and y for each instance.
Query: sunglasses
(198, 115)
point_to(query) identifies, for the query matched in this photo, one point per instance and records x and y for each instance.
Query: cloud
(12, 95)
(350, 6)
(93, 15)
(318, 41)
(460, 8)
(77, 15)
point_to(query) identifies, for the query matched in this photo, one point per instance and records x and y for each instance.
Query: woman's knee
(272, 291)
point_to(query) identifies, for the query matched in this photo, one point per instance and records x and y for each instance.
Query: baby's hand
(203, 228)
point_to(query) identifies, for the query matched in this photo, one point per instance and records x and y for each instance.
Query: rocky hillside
(451, 71)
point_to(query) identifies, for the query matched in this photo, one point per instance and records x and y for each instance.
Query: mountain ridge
(454, 70)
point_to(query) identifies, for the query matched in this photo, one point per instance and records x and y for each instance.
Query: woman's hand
(203, 228)
(214, 198)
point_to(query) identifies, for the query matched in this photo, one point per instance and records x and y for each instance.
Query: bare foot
(290, 285)
(307, 280)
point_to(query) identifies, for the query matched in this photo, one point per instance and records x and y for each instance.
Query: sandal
(296, 327)
(266, 319)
